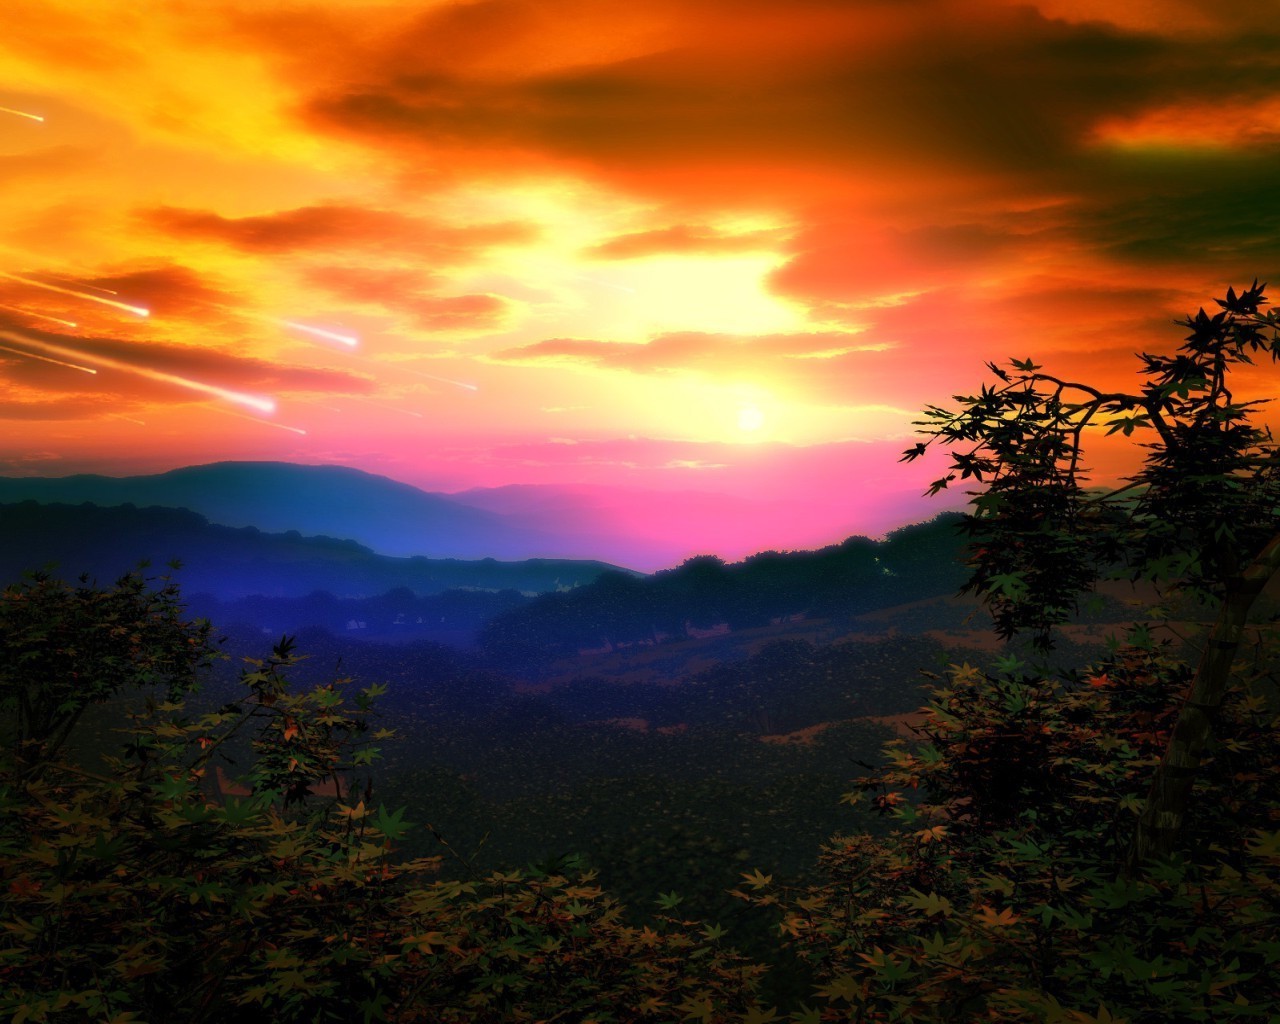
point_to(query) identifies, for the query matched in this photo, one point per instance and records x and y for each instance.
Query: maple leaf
(992, 918)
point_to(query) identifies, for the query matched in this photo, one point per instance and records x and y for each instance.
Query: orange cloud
(400, 292)
(683, 238)
(1240, 122)
(682, 351)
(335, 227)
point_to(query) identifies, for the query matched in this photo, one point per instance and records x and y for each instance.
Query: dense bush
(1000, 894)
(140, 894)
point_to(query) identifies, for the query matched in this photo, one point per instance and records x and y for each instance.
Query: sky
(731, 247)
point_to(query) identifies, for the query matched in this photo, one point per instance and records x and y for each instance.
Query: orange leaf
(998, 919)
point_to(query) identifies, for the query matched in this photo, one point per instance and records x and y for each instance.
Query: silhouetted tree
(64, 647)
(1199, 516)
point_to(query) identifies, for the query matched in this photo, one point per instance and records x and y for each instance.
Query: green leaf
(392, 825)
(931, 903)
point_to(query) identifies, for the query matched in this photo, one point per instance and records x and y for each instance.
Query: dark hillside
(228, 563)
(337, 501)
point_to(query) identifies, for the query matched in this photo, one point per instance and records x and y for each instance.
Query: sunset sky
(724, 246)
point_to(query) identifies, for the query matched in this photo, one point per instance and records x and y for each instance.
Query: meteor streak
(265, 405)
(429, 376)
(22, 113)
(42, 316)
(46, 359)
(320, 332)
(139, 310)
(443, 380)
(254, 419)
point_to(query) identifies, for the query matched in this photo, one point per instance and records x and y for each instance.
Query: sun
(750, 419)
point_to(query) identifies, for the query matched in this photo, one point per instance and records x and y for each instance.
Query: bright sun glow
(750, 419)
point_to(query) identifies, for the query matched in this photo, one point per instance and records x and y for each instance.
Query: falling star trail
(46, 359)
(320, 332)
(255, 419)
(42, 316)
(265, 405)
(22, 113)
(139, 310)
(443, 380)
(420, 373)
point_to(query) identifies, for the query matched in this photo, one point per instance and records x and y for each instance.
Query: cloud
(852, 86)
(33, 403)
(327, 228)
(817, 365)
(168, 290)
(682, 238)
(380, 286)
(456, 312)
(44, 163)
(403, 294)
(917, 145)
(674, 352)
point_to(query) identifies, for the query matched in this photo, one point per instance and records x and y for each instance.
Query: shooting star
(443, 380)
(122, 416)
(320, 332)
(46, 359)
(139, 310)
(429, 376)
(265, 405)
(22, 113)
(42, 316)
(255, 419)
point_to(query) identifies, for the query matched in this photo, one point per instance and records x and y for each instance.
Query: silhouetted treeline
(705, 594)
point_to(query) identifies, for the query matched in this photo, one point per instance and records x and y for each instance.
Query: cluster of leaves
(66, 647)
(1193, 517)
(142, 893)
(998, 895)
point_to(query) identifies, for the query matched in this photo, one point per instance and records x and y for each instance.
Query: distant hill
(230, 563)
(334, 501)
(640, 529)
(705, 596)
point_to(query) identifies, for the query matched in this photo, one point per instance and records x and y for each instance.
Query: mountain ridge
(618, 525)
(232, 562)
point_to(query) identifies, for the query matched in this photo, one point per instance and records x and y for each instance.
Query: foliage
(64, 647)
(996, 896)
(1048, 864)
(140, 895)
(1200, 509)
(1203, 518)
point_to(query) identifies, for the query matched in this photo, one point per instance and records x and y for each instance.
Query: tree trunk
(1170, 791)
